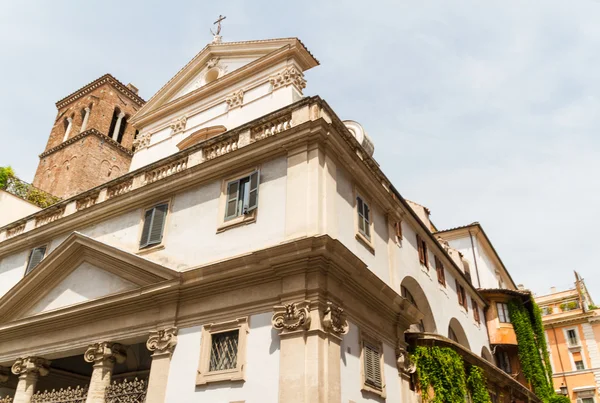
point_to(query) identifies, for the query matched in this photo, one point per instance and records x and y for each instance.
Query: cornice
(86, 133)
(105, 79)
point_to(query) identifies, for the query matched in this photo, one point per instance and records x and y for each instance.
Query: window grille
(224, 349)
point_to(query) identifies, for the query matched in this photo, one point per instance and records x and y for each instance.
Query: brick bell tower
(91, 141)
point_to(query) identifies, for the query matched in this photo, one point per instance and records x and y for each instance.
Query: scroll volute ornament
(403, 361)
(105, 352)
(31, 365)
(291, 317)
(162, 341)
(334, 319)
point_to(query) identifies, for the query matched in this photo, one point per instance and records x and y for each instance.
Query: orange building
(572, 324)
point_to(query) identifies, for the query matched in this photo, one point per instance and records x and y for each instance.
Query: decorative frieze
(236, 99)
(162, 341)
(166, 170)
(220, 148)
(127, 391)
(334, 319)
(14, 231)
(271, 127)
(290, 76)
(49, 217)
(31, 365)
(290, 317)
(105, 352)
(119, 189)
(178, 125)
(68, 395)
(86, 202)
(142, 141)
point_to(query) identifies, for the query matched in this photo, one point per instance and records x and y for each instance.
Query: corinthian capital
(162, 341)
(290, 317)
(31, 365)
(105, 352)
(334, 319)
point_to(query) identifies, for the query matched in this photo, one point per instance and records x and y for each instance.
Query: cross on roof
(218, 24)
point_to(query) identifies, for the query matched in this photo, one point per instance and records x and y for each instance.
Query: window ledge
(369, 389)
(443, 289)
(425, 270)
(237, 222)
(366, 242)
(230, 375)
(151, 249)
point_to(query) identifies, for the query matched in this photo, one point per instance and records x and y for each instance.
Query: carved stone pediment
(291, 317)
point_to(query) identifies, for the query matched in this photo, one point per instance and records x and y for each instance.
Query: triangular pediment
(229, 62)
(78, 271)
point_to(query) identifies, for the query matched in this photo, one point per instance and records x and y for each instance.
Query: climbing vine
(540, 338)
(477, 385)
(13, 185)
(442, 370)
(6, 173)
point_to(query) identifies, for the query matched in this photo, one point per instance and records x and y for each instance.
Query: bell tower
(91, 141)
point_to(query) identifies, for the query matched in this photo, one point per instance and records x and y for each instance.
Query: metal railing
(27, 191)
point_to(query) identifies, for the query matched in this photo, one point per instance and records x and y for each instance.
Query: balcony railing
(26, 191)
(127, 391)
(68, 395)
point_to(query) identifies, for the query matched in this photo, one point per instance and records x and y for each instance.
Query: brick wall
(90, 161)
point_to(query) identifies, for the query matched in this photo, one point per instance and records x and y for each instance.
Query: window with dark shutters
(422, 246)
(372, 362)
(35, 257)
(475, 311)
(439, 268)
(154, 223)
(242, 196)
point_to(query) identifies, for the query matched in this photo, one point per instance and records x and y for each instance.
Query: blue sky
(482, 111)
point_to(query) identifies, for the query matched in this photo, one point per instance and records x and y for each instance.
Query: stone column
(310, 339)
(103, 355)
(162, 343)
(68, 130)
(85, 119)
(115, 133)
(28, 369)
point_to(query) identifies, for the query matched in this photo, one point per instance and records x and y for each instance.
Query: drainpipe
(475, 259)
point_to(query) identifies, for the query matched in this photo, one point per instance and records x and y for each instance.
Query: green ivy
(476, 384)
(6, 173)
(559, 399)
(540, 338)
(442, 370)
(592, 306)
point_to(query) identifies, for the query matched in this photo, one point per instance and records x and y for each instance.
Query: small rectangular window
(242, 196)
(439, 268)
(364, 217)
(422, 246)
(462, 295)
(475, 311)
(35, 257)
(572, 336)
(224, 349)
(154, 222)
(398, 228)
(372, 362)
(503, 315)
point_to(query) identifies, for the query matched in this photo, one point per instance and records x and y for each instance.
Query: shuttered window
(35, 257)
(154, 223)
(475, 311)
(398, 227)
(439, 268)
(462, 296)
(422, 246)
(364, 217)
(242, 196)
(372, 362)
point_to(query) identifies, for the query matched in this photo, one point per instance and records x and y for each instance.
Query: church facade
(241, 244)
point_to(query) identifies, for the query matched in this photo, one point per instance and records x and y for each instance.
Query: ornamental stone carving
(105, 352)
(162, 341)
(403, 361)
(212, 62)
(334, 319)
(290, 76)
(236, 99)
(142, 142)
(290, 317)
(31, 365)
(178, 125)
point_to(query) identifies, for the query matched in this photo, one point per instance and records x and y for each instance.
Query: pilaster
(162, 344)
(310, 337)
(29, 369)
(104, 355)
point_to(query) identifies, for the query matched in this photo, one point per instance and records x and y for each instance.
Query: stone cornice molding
(105, 353)
(31, 365)
(162, 341)
(84, 134)
(334, 319)
(105, 79)
(291, 317)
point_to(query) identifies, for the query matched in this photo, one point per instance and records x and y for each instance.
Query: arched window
(68, 123)
(85, 116)
(117, 125)
(406, 294)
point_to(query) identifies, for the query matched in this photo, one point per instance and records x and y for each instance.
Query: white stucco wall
(351, 372)
(262, 370)
(12, 269)
(13, 208)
